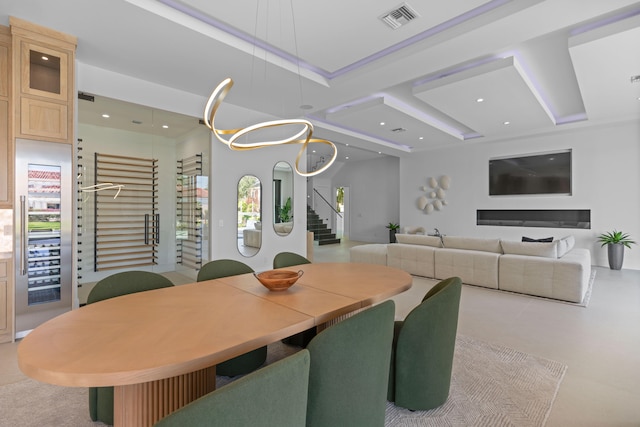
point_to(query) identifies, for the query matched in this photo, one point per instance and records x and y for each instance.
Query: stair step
(328, 241)
(323, 236)
(316, 227)
(321, 232)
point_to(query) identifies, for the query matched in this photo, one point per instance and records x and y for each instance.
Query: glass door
(43, 236)
(43, 223)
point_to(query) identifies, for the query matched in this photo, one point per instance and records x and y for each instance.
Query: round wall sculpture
(434, 197)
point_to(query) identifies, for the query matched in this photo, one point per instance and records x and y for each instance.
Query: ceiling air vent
(397, 130)
(398, 17)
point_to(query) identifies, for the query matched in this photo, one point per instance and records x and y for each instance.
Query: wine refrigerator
(43, 227)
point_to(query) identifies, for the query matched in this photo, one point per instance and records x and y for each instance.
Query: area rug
(491, 386)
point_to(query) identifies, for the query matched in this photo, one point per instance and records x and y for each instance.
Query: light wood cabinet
(6, 148)
(6, 301)
(37, 94)
(43, 75)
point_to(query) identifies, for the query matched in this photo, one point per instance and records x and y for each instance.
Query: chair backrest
(287, 259)
(451, 282)
(222, 268)
(275, 395)
(127, 282)
(425, 346)
(350, 370)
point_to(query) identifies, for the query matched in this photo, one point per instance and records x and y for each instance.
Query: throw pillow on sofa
(543, 240)
(565, 245)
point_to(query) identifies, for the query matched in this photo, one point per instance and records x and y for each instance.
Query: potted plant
(285, 211)
(615, 241)
(393, 229)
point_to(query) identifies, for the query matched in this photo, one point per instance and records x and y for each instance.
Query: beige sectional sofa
(553, 270)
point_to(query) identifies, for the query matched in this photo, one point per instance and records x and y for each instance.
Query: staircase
(321, 233)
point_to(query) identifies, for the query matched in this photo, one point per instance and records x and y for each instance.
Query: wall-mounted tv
(543, 173)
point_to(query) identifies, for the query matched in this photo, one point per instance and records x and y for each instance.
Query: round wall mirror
(249, 213)
(282, 198)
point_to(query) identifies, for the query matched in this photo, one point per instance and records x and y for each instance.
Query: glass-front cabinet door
(43, 232)
(42, 206)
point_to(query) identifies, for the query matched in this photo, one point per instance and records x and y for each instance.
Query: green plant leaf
(615, 237)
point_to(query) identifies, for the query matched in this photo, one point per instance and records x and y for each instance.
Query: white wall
(606, 179)
(227, 167)
(373, 196)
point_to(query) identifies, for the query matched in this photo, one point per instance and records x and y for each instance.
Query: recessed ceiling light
(45, 58)
(422, 137)
(480, 100)
(379, 152)
(506, 123)
(106, 116)
(313, 151)
(346, 145)
(347, 157)
(165, 126)
(382, 123)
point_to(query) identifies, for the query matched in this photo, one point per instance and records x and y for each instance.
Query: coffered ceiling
(463, 72)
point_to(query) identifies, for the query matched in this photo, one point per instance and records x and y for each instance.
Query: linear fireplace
(550, 218)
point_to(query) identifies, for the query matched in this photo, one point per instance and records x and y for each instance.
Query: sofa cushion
(283, 227)
(418, 239)
(546, 250)
(414, 259)
(473, 267)
(413, 230)
(375, 253)
(543, 240)
(472, 243)
(566, 279)
(565, 245)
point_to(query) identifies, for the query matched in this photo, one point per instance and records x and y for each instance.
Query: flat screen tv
(544, 173)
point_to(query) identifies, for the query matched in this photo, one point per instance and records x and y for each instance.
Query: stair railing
(327, 203)
(333, 221)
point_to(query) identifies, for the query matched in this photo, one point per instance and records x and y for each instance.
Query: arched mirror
(249, 213)
(282, 198)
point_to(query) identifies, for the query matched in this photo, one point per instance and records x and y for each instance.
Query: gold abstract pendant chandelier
(303, 137)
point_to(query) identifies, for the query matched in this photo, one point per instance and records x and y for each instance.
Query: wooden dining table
(159, 348)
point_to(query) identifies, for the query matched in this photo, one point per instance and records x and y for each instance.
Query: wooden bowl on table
(278, 280)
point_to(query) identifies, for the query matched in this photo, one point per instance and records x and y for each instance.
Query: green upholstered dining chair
(287, 259)
(423, 348)
(252, 360)
(350, 369)
(222, 268)
(127, 282)
(275, 395)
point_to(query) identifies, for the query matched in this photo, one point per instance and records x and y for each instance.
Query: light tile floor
(600, 344)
